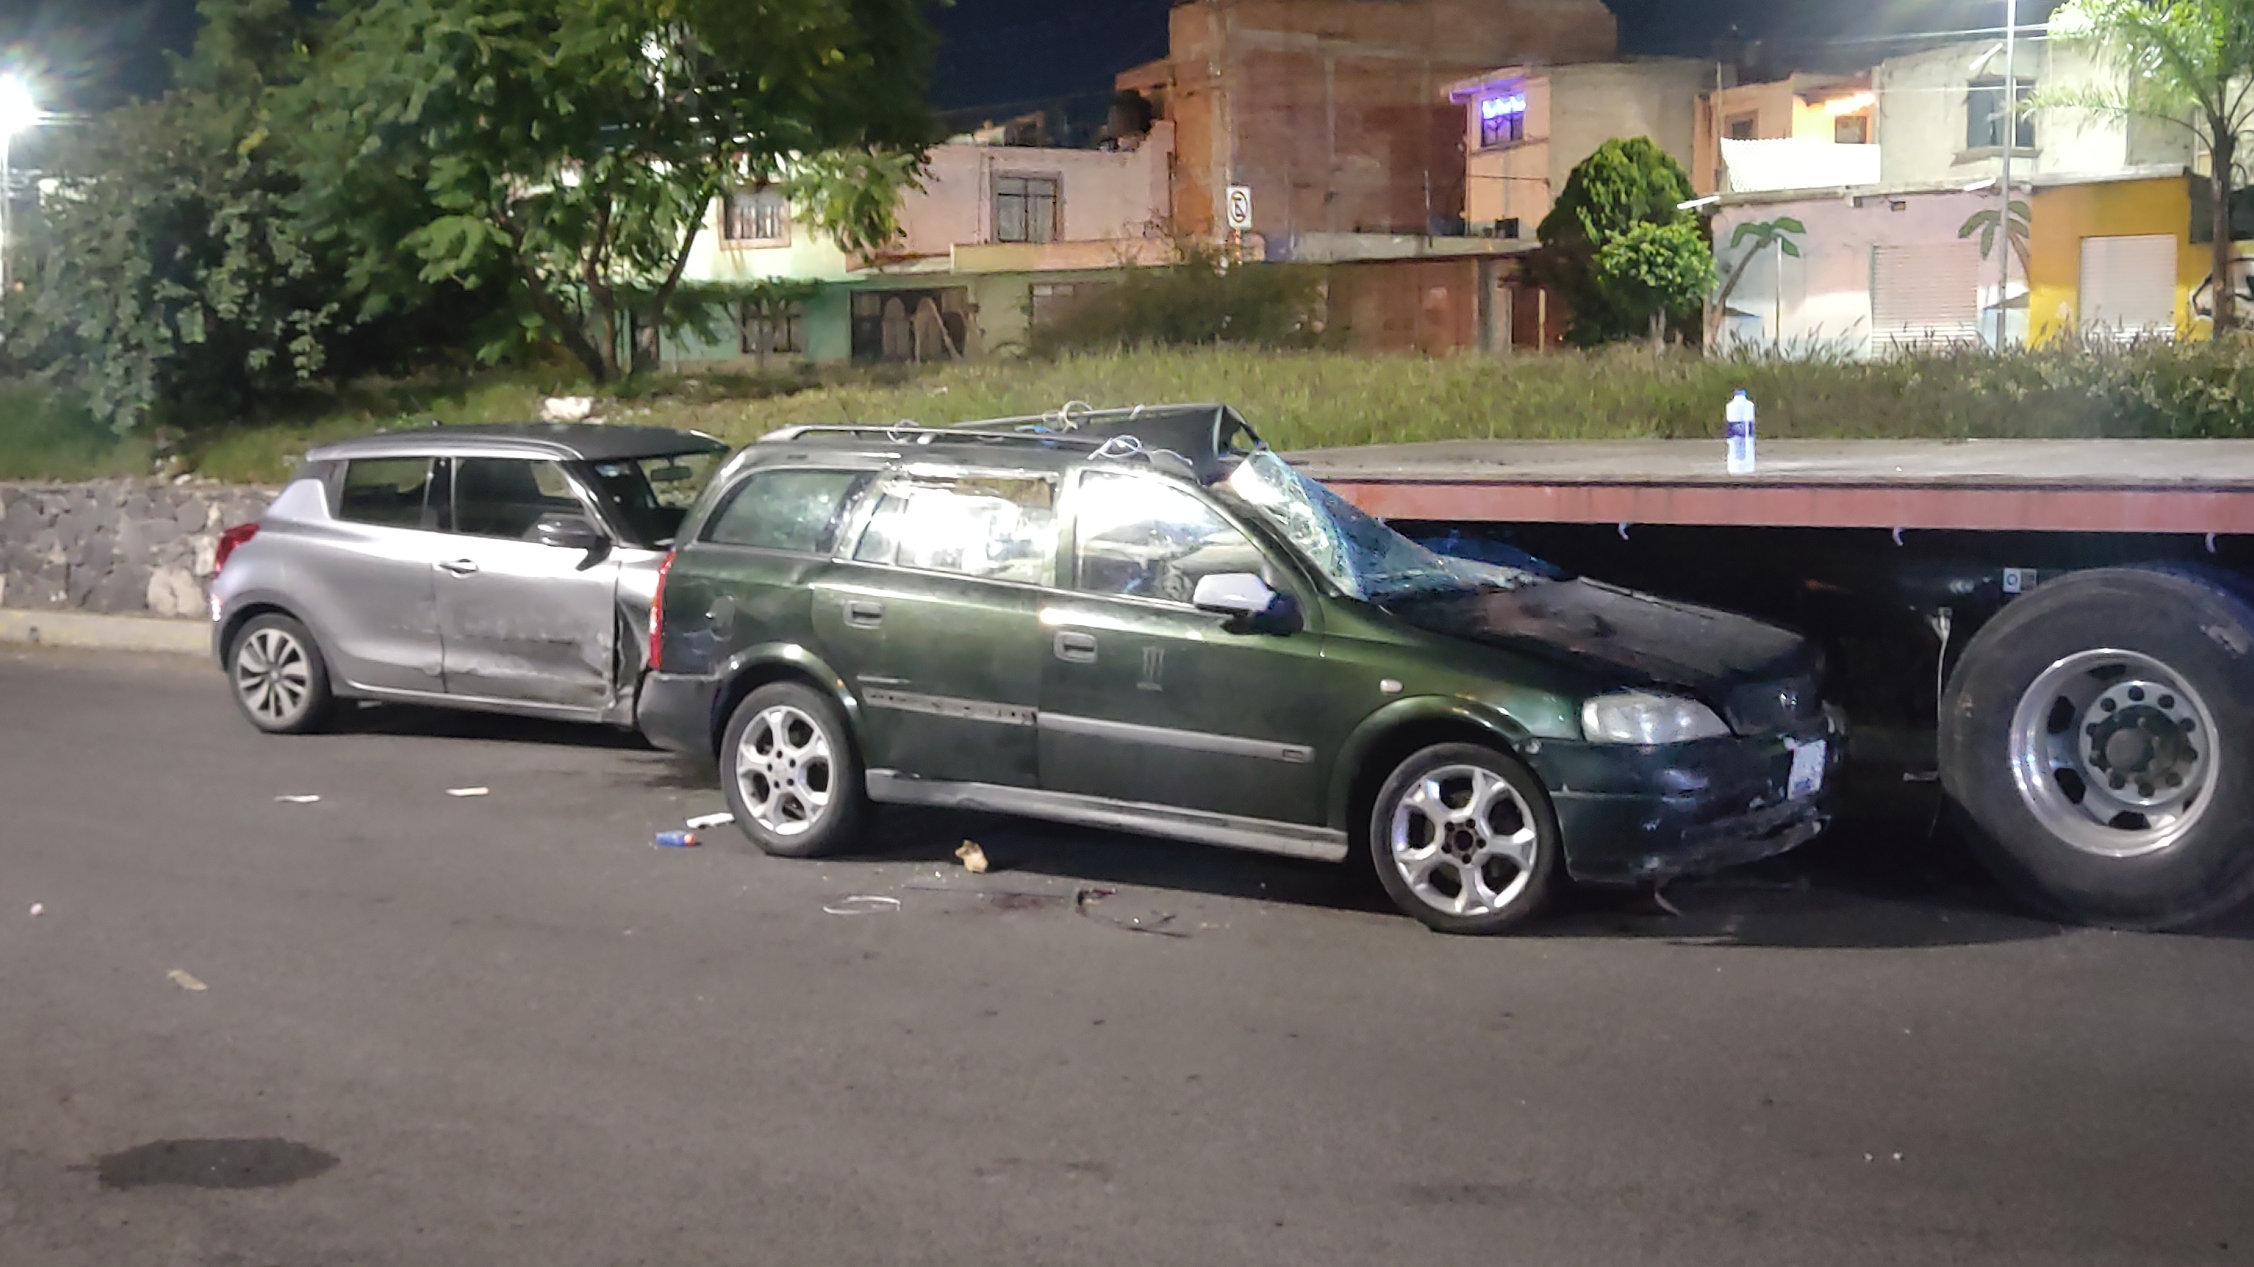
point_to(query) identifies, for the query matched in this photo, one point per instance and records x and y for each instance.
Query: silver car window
(505, 497)
(386, 491)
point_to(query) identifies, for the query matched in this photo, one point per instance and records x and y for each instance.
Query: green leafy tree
(172, 275)
(1655, 271)
(2180, 62)
(575, 147)
(1626, 183)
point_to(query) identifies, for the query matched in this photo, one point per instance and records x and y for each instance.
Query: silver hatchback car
(502, 568)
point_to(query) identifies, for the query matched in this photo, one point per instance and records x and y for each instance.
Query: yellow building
(2115, 256)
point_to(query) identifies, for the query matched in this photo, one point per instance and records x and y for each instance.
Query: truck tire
(2099, 737)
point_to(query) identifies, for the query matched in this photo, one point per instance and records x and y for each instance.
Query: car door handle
(459, 567)
(862, 613)
(1077, 648)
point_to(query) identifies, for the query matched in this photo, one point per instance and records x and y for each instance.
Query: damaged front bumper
(1632, 814)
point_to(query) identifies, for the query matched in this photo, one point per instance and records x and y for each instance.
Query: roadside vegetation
(1297, 399)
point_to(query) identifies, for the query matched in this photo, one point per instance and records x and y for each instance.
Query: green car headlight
(1644, 717)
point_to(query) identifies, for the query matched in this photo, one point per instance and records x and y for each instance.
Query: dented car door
(527, 589)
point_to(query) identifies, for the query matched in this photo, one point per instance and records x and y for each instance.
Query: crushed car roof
(1205, 438)
(572, 441)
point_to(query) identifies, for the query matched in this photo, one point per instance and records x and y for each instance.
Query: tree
(576, 146)
(1624, 184)
(1751, 239)
(1655, 271)
(174, 275)
(2180, 62)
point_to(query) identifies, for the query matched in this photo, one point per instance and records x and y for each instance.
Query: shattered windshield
(1360, 555)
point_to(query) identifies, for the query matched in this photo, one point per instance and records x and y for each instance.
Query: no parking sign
(1240, 206)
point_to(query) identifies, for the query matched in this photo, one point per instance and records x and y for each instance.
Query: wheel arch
(758, 666)
(1388, 736)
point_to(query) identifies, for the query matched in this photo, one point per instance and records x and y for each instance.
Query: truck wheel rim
(2114, 753)
(272, 675)
(783, 770)
(1463, 840)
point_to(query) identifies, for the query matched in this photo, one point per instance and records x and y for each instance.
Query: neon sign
(1497, 107)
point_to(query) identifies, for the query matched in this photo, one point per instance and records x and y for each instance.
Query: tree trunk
(2224, 154)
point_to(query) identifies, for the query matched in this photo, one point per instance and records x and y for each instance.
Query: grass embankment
(1308, 399)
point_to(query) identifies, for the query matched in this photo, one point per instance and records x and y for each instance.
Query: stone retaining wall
(116, 546)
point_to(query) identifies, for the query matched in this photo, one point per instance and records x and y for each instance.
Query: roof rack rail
(897, 433)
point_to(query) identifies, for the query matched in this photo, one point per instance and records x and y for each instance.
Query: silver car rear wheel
(279, 679)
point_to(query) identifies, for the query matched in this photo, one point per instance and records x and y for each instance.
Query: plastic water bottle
(1739, 416)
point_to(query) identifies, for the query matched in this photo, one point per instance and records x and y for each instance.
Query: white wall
(1922, 118)
(1826, 292)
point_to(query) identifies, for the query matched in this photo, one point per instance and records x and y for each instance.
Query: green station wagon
(1148, 621)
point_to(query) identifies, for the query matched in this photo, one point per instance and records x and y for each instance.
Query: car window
(505, 497)
(786, 510)
(387, 491)
(1001, 527)
(1146, 538)
(653, 494)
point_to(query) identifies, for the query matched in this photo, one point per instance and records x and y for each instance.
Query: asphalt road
(504, 1030)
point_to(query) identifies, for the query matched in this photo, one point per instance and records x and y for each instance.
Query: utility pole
(2011, 137)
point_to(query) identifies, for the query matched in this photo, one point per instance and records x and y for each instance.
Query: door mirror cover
(568, 532)
(1239, 594)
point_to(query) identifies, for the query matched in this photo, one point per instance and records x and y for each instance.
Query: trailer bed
(2167, 486)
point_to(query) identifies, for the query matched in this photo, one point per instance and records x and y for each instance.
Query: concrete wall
(1826, 299)
(116, 546)
(1922, 115)
(1570, 111)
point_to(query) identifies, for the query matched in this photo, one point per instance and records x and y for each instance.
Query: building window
(1984, 116)
(1502, 120)
(1851, 129)
(755, 215)
(1027, 209)
(1740, 127)
(773, 330)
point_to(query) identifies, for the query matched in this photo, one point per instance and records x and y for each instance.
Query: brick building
(1333, 112)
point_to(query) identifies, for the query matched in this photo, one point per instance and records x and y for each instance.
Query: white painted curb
(105, 633)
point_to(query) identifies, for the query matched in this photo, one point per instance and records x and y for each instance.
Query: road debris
(863, 904)
(469, 791)
(675, 840)
(38, 909)
(296, 800)
(974, 858)
(1156, 923)
(186, 982)
(703, 821)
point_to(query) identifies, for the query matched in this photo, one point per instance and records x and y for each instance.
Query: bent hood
(1644, 640)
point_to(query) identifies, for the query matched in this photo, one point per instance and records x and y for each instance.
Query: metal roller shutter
(1925, 295)
(2129, 285)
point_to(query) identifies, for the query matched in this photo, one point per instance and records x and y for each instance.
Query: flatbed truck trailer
(2060, 631)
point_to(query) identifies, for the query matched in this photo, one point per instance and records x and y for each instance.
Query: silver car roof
(568, 441)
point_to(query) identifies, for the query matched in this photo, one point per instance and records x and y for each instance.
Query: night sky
(1001, 56)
